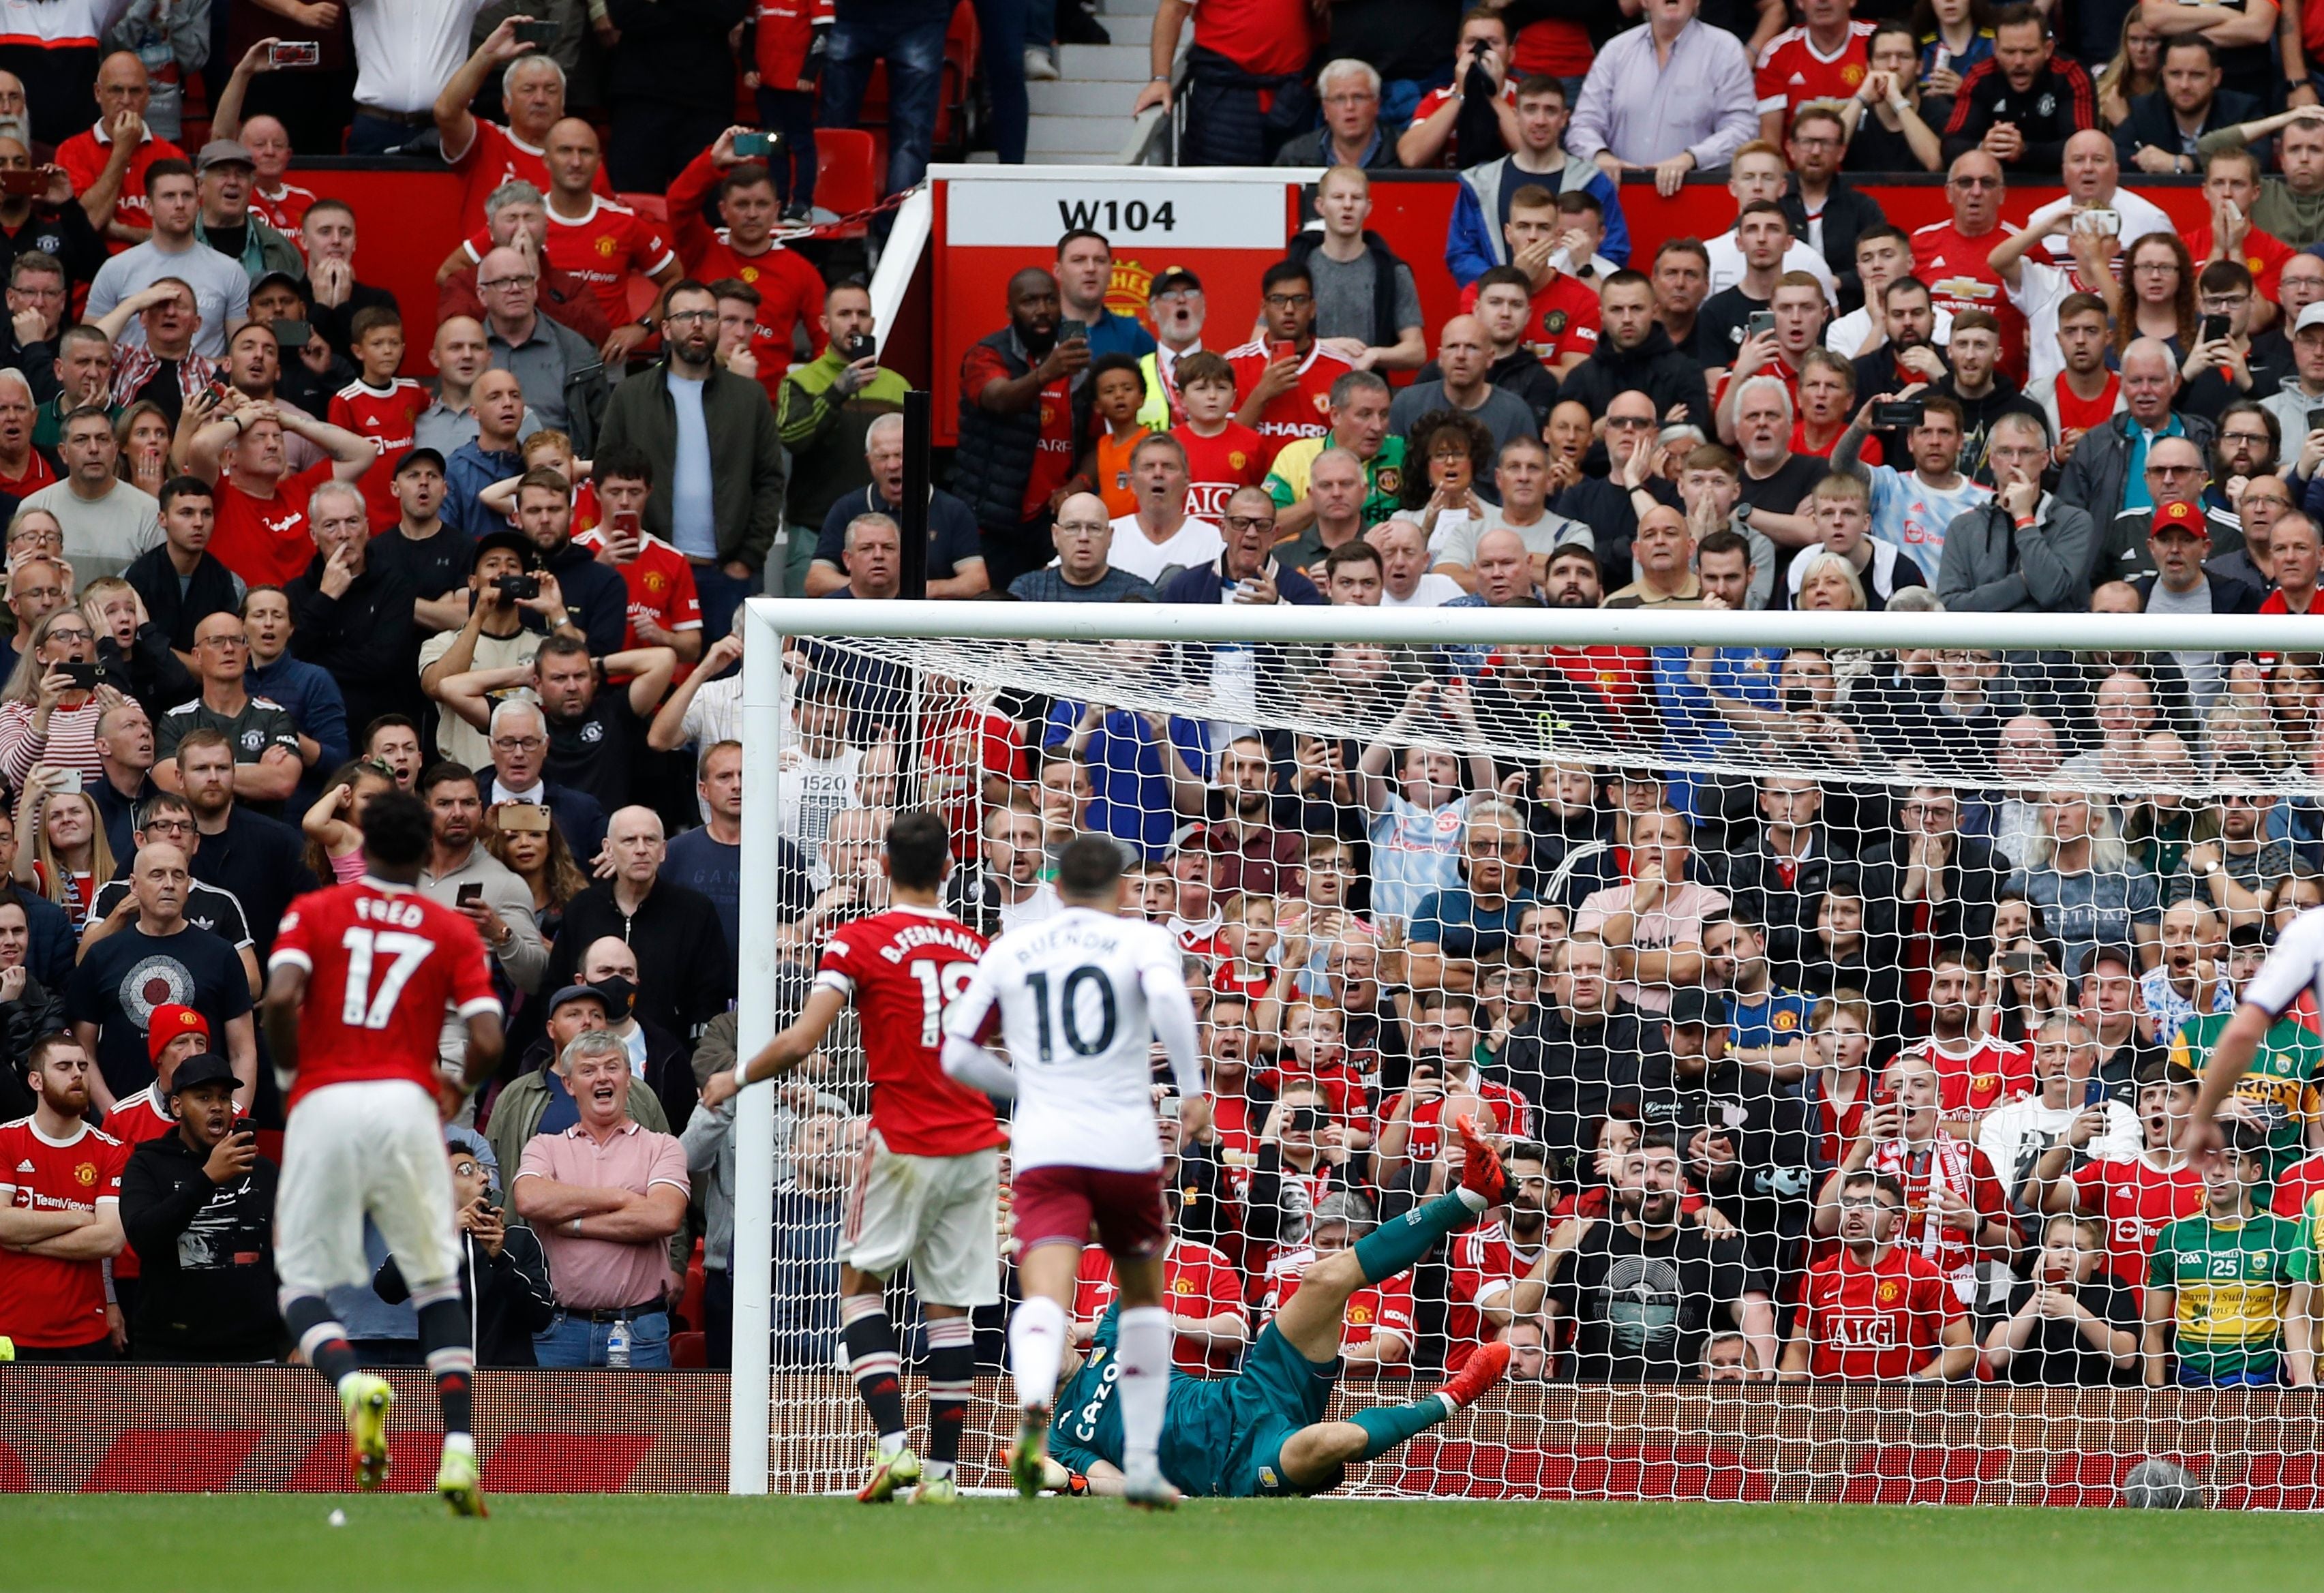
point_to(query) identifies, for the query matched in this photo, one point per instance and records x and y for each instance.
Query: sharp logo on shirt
(288, 522)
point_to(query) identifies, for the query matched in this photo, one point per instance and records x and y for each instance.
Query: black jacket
(176, 608)
(1847, 210)
(147, 669)
(686, 971)
(1973, 879)
(579, 816)
(1573, 1074)
(2228, 595)
(2057, 105)
(2153, 122)
(205, 1257)
(1755, 883)
(514, 1303)
(994, 460)
(364, 637)
(1769, 1192)
(1655, 368)
(2092, 479)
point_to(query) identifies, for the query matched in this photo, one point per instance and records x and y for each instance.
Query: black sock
(321, 1336)
(877, 1370)
(444, 1337)
(951, 1368)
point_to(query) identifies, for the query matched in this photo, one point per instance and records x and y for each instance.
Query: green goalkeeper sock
(1387, 1426)
(1395, 1247)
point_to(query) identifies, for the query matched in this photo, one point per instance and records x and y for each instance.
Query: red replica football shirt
(959, 746)
(2262, 254)
(265, 540)
(1382, 1307)
(1882, 1321)
(1482, 1263)
(1983, 1076)
(383, 963)
(1792, 71)
(1512, 1113)
(2302, 1179)
(602, 249)
(1201, 1282)
(384, 418)
(132, 1122)
(47, 1303)
(1960, 277)
(2137, 1198)
(791, 290)
(495, 156)
(83, 156)
(1304, 411)
(1561, 320)
(1266, 38)
(901, 968)
(37, 474)
(661, 585)
(1953, 1164)
(282, 211)
(1217, 466)
(2074, 415)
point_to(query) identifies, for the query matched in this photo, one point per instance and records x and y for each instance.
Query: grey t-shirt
(1504, 414)
(1343, 296)
(221, 290)
(106, 537)
(2203, 674)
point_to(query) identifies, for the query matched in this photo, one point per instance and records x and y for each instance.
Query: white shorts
(372, 1147)
(940, 1213)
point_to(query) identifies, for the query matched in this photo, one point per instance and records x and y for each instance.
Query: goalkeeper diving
(1262, 1433)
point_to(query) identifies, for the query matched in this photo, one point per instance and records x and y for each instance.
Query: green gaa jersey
(2281, 1081)
(2230, 1279)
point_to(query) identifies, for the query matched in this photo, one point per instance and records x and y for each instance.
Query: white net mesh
(1838, 1008)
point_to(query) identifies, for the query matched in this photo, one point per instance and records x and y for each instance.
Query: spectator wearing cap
(259, 367)
(2179, 540)
(1083, 534)
(955, 556)
(433, 558)
(2174, 472)
(498, 633)
(198, 1206)
(686, 971)
(226, 173)
(1175, 305)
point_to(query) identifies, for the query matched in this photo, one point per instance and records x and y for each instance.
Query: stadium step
(1093, 97)
(1083, 118)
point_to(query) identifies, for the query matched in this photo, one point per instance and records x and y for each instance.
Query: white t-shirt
(2296, 964)
(1542, 538)
(1726, 264)
(2014, 1136)
(1072, 994)
(1044, 903)
(1433, 592)
(1195, 541)
(809, 790)
(2040, 290)
(1846, 336)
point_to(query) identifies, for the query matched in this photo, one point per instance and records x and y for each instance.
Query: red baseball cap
(170, 1021)
(2184, 518)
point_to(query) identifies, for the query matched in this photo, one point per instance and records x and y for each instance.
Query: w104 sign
(1226, 227)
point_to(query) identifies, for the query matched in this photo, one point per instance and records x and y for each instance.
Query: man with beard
(1022, 400)
(1876, 1308)
(1745, 1138)
(1633, 354)
(1248, 854)
(60, 1215)
(1643, 1289)
(261, 859)
(1583, 1050)
(1977, 384)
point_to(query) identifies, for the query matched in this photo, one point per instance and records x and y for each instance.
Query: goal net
(1836, 985)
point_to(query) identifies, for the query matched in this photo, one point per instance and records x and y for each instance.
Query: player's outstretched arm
(785, 1052)
(2230, 1059)
(967, 1063)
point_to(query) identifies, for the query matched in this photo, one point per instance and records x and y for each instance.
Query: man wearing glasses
(563, 379)
(2111, 471)
(1954, 256)
(1284, 377)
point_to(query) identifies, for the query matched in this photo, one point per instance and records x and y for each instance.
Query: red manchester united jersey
(1484, 1263)
(1217, 466)
(384, 418)
(495, 156)
(382, 963)
(1981, 1076)
(1304, 411)
(142, 1117)
(284, 210)
(1792, 71)
(2137, 1198)
(46, 1304)
(901, 968)
(600, 248)
(1926, 1172)
(1882, 1321)
(661, 587)
(1961, 277)
(1201, 1283)
(1377, 1308)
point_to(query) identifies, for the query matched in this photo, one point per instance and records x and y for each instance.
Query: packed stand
(1754, 1045)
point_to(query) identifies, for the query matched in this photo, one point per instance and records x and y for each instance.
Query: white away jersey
(1072, 1011)
(2296, 964)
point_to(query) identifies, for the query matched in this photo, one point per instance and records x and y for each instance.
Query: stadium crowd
(1880, 1074)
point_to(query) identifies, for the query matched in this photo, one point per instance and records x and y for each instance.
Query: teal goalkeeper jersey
(1197, 1424)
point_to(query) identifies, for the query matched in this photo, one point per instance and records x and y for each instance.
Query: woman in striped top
(48, 714)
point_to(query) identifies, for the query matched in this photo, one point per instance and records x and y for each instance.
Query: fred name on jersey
(402, 912)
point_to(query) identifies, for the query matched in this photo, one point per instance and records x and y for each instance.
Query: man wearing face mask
(657, 1058)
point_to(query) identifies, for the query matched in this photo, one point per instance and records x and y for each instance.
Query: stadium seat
(847, 180)
(962, 42)
(688, 1352)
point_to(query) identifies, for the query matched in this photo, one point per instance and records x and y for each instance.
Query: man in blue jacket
(1473, 243)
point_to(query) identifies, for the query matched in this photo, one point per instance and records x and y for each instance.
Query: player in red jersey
(2138, 1196)
(1284, 379)
(60, 1214)
(485, 155)
(1874, 1308)
(791, 290)
(926, 1192)
(590, 238)
(381, 407)
(356, 990)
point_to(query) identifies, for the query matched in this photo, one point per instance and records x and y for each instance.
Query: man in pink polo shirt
(604, 1195)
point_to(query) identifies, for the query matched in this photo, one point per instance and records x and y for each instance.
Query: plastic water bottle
(617, 1344)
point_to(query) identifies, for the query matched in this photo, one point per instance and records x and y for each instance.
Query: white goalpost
(2166, 731)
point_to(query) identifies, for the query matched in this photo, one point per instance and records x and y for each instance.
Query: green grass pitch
(253, 1543)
